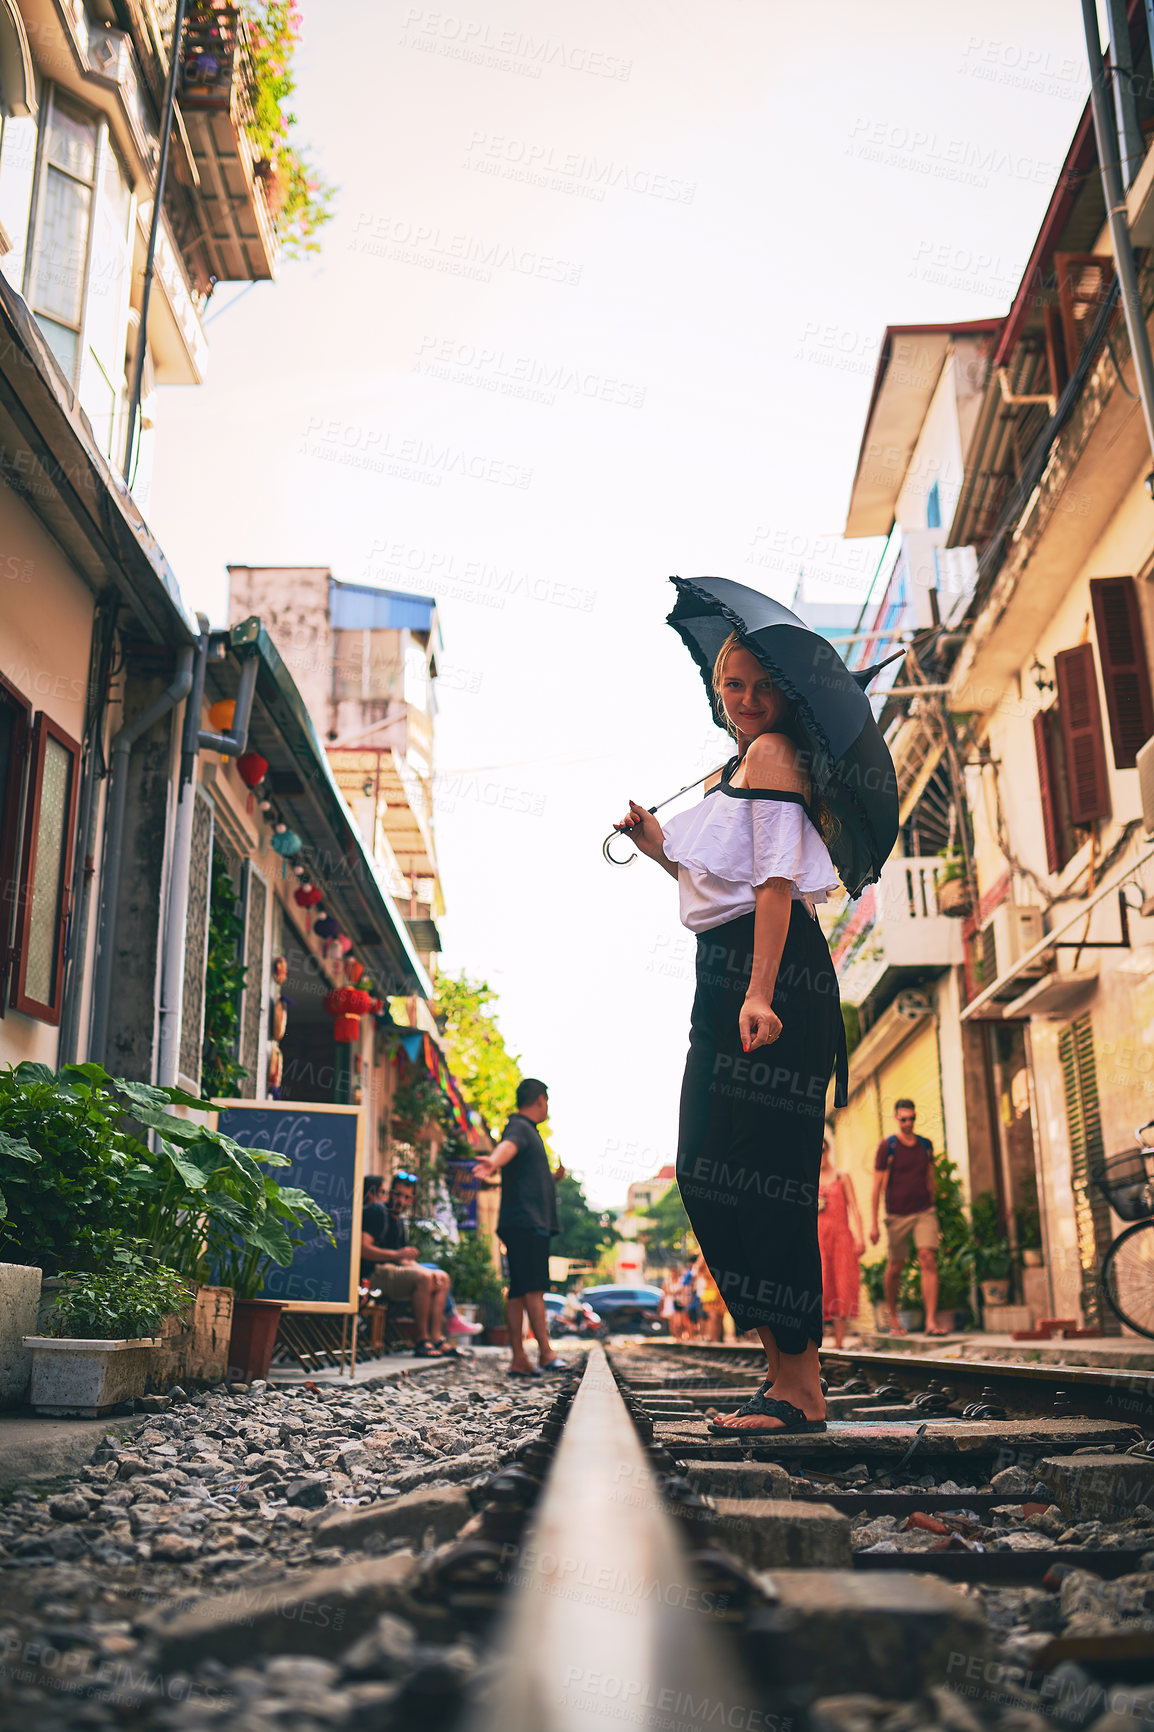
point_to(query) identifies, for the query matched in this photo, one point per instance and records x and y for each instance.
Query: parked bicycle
(1127, 1183)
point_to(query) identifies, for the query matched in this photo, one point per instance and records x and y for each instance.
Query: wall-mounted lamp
(1040, 680)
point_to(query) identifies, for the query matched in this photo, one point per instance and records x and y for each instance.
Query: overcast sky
(601, 302)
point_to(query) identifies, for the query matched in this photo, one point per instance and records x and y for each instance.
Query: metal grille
(1084, 1123)
(196, 944)
(254, 963)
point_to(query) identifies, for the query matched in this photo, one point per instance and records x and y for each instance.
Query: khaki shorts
(396, 1280)
(921, 1230)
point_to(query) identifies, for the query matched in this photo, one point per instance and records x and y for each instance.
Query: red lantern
(376, 1005)
(252, 770)
(348, 1001)
(354, 970)
(346, 1029)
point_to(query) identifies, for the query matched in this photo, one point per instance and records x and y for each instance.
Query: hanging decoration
(279, 1019)
(252, 770)
(344, 943)
(275, 1070)
(346, 1005)
(222, 715)
(280, 970)
(353, 971)
(326, 927)
(308, 897)
(286, 843)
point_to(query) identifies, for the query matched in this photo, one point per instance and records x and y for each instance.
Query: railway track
(619, 1563)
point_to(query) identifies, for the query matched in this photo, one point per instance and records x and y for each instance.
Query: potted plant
(244, 1244)
(98, 1345)
(874, 1280)
(955, 894)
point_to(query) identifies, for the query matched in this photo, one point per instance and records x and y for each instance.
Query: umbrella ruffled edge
(686, 585)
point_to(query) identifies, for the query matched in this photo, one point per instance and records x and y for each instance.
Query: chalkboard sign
(325, 1146)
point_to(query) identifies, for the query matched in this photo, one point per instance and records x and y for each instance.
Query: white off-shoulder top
(734, 840)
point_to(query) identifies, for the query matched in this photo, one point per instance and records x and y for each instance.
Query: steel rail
(605, 1619)
(1100, 1392)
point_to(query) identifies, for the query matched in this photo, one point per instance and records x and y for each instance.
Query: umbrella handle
(606, 849)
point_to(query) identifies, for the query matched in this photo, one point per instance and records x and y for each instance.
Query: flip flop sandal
(426, 1350)
(792, 1419)
(556, 1367)
(444, 1350)
(534, 1373)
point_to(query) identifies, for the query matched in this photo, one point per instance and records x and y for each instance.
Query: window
(15, 715)
(1080, 713)
(58, 259)
(46, 870)
(1084, 1128)
(1125, 671)
(1061, 842)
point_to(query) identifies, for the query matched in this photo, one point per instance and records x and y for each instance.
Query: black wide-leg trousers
(752, 1124)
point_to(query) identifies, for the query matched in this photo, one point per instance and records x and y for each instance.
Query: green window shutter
(1084, 1124)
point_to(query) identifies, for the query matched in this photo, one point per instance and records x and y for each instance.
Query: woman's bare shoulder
(772, 761)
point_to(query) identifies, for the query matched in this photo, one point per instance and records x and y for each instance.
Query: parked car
(633, 1309)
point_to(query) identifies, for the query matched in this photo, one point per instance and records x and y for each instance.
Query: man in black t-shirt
(389, 1264)
(525, 1224)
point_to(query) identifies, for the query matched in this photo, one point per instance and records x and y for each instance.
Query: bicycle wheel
(1128, 1277)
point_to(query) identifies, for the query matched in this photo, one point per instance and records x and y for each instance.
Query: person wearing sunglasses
(402, 1193)
(389, 1264)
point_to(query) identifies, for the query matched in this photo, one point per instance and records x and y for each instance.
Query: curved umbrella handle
(606, 850)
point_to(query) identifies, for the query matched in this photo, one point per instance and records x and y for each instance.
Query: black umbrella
(847, 759)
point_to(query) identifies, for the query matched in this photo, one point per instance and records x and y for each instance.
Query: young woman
(765, 1031)
(841, 1241)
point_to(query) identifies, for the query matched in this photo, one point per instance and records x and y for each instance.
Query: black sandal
(792, 1419)
(425, 1350)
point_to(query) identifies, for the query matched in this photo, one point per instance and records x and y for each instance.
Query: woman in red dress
(841, 1241)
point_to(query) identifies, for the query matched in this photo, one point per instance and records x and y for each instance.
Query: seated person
(402, 1192)
(389, 1264)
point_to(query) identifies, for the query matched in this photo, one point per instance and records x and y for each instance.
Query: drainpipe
(1107, 142)
(122, 746)
(196, 739)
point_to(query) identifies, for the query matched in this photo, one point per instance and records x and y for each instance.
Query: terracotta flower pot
(498, 1337)
(254, 1326)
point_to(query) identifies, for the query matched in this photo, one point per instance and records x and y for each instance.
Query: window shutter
(1081, 719)
(1048, 789)
(46, 869)
(1087, 1149)
(1125, 671)
(15, 719)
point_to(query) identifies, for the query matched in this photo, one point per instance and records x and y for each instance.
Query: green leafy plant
(128, 1302)
(1028, 1226)
(68, 1159)
(475, 1047)
(993, 1258)
(269, 1233)
(303, 200)
(956, 1252)
(667, 1230)
(874, 1280)
(224, 981)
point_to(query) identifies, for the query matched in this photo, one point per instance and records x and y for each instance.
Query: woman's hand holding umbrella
(759, 1023)
(643, 830)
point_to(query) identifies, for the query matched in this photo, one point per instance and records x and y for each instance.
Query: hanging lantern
(346, 1029)
(279, 1019)
(353, 970)
(344, 943)
(308, 896)
(326, 927)
(252, 770)
(222, 715)
(275, 1069)
(286, 843)
(280, 970)
(347, 1001)
(376, 1005)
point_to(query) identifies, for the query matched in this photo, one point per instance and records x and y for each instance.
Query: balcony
(213, 89)
(899, 927)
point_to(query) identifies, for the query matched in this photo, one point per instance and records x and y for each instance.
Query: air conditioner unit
(1011, 931)
(1144, 763)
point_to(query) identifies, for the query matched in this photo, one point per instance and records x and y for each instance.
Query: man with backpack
(904, 1169)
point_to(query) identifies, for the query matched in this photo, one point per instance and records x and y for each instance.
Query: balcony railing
(907, 930)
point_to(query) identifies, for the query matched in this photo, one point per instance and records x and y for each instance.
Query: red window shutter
(1125, 670)
(1081, 719)
(1057, 853)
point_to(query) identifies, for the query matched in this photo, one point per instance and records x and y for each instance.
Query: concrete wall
(142, 889)
(46, 615)
(293, 604)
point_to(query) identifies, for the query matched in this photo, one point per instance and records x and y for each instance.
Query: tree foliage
(584, 1232)
(482, 1063)
(667, 1229)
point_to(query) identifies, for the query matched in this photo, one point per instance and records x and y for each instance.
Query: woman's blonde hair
(826, 823)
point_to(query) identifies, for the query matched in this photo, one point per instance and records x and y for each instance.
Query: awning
(334, 850)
